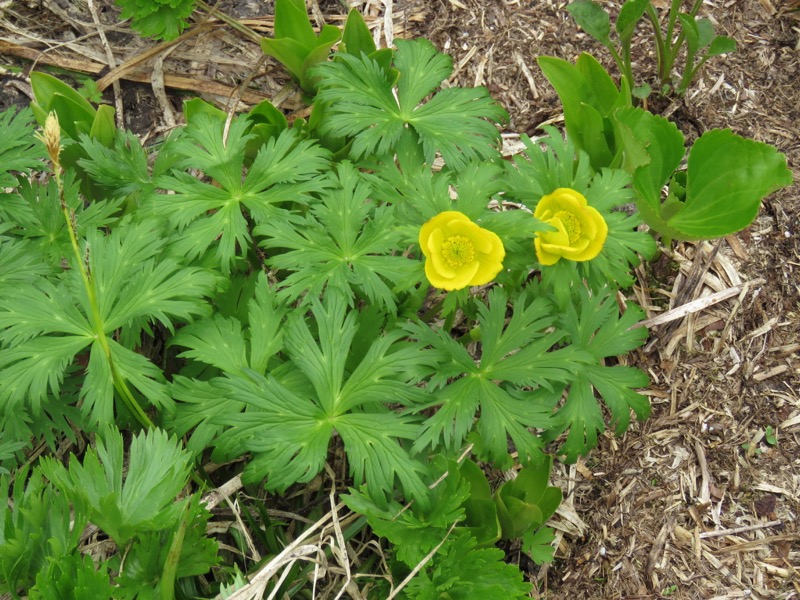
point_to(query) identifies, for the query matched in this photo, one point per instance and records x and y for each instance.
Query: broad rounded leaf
(629, 16)
(727, 178)
(721, 44)
(591, 17)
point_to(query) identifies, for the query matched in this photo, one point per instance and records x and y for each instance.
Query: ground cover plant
(323, 293)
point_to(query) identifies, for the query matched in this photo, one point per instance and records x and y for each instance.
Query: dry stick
(293, 551)
(90, 67)
(125, 68)
(215, 497)
(112, 63)
(705, 491)
(159, 91)
(694, 281)
(695, 305)
(743, 529)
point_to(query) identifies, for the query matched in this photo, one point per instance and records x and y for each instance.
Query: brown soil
(698, 502)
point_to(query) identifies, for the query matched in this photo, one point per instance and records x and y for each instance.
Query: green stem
(168, 575)
(672, 19)
(95, 315)
(661, 50)
(624, 68)
(696, 8)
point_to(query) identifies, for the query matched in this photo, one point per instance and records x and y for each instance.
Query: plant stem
(167, 583)
(661, 50)
(95, 315)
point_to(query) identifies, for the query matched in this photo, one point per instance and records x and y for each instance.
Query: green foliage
(350, 239)
(37, 527)
(696, 38)
(18, 152)
(295, 45)
(75, 114)
(590, 98)
(726, 177)
(125, 504)
(73, 577)
(526, 502)
(157, 19)
(77, 118)
(214, 216)
(721, 189)
(456, 122)
(516, 354)
(599, 330)
(465, 571)
(260, 291)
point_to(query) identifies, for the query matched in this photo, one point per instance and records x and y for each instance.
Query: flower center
(572, 225)
(457, 251)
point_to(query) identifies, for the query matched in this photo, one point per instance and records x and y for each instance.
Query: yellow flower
(458, 252)
(580, 232)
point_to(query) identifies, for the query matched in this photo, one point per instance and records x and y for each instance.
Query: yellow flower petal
(458, 252)
(580, 232)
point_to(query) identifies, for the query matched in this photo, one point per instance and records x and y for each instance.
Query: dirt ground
(702, 500)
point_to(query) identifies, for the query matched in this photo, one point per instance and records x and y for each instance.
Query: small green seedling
(696, 35)
(296, 46)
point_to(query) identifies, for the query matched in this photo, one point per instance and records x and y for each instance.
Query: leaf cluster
(253, 293)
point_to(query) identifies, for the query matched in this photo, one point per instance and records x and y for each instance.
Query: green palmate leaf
(600, 331)
(231, 347)
(37, 526)
(351, 242)
(288, 426)
(126, 503)
(546, 164)
(213, 214)
(416, 192)
(727, 176)
(457, 122)
(18, 152)
(412, 531)
(461, 571)
(158, 19)
(519, 352)
(72, 577)
(20, 263)
(591, 17)
(37, 215)
(476, 185)
(122, 169)
(45, 325)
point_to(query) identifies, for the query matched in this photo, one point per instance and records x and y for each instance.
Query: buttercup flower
(580, 232)
(458, 252)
